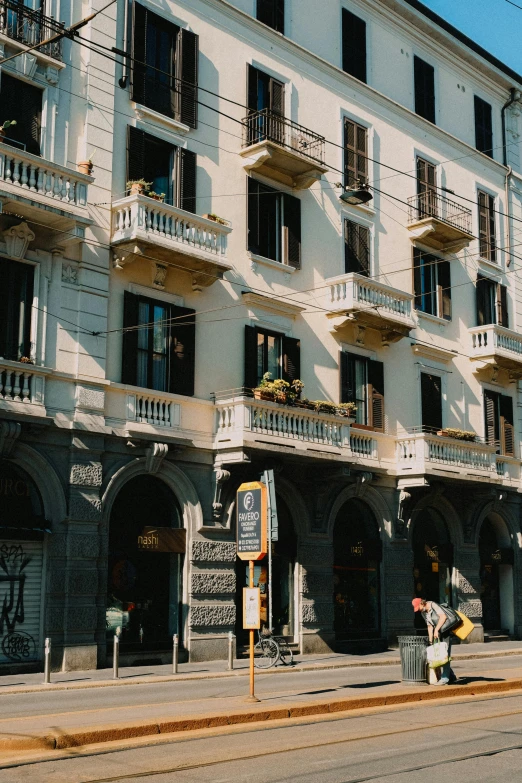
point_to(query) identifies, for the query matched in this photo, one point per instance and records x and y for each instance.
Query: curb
(74, 738)
(184, 677)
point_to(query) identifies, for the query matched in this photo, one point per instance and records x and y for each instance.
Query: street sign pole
(272, 533)
(252, 696)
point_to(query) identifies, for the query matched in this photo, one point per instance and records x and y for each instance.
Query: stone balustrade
(21, 384)
(496, 341)
(357, 293)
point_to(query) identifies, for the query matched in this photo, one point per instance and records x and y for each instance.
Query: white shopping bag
(437, 655)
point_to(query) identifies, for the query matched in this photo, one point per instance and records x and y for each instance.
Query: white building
(124, 439)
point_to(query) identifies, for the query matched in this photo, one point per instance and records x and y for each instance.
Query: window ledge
(433, 318)
(358, 209)
(491, 265)
(255, 260)
(144, 113)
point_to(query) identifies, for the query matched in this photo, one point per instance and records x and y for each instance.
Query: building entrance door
(496, 575)
(432, 560)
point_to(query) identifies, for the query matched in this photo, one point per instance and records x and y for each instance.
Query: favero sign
(251, 518)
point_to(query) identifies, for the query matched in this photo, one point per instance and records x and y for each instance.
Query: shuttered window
(354, 45)
(170, 169)
(487, 239)
(431, 402)
(499, 422)
(432, 284)
(426, 188)
(355, 154)
(356, 248)
(274, 224)
(362, 382)
(271, 352)
(160, 356)
(483, 127)
(165, 66)
(266, 105)
(16, 300)
(491, 299)
(21, 102)
(272, 13)
(424, 78)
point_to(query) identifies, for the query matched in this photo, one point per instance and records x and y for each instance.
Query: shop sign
(13, 488)
(251, 519)
(251, 608)
(162, 539)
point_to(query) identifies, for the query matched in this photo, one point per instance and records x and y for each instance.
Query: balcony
(423, 453)
(282, 150)
(498, 348)
(142, 226)
(354, 298)
(29, 27)
(22, 388)
(438, 222)
(39, 190)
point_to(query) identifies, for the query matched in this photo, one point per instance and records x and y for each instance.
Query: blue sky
(494, 24)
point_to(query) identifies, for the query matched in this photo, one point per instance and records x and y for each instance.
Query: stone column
(316, 589)
(398, 590)
(467, 598)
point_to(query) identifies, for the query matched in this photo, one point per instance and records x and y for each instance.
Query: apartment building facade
(203, 242)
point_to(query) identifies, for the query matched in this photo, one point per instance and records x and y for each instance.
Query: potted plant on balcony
(7, 124)
(277, 390)
(138, 186)
(86, 166)
(456, 434)
(25, 360)
(345, 409)
(216, 218)
(156, 196)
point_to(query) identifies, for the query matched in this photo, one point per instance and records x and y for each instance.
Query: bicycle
(270, 649)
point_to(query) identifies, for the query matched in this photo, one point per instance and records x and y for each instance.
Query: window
(483, 127)
(160, 357)
(167, 81)
(16, 299)
(362, 382)
(354, 45)
(266, 107)
(21, 102)
(272, 13)
(491, 300)
(356, 248)
(355, 154)
(172, 170)
(271, 352)
(424, 78)
(274, 224)
(426, 188)
(432, 284)
(487, 244)
(431, 402)
(499, 423)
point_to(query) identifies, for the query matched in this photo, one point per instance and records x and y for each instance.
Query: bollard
(175, 652)
(116, 657)
(47, 662)
(231, 639)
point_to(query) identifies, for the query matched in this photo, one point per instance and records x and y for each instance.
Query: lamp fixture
(356, 195)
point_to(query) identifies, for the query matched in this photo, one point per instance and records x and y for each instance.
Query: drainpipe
(515, 96)
(507, 243)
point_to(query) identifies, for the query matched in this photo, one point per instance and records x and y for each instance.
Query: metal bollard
(231, 639)
(116, 657)
(47, 662)
(175, 653)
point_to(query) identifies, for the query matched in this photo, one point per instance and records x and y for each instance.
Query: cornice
(271, 304)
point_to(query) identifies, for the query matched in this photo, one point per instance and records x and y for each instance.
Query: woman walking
(436, 620)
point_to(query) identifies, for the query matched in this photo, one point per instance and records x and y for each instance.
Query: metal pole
(251, 584)
(230, 651)
(115, 656)
(47, 661)
(269, 555)
(175, 653)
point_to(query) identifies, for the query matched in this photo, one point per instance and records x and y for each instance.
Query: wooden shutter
(507, 429)
(483, 127)
(187, 179)
(135, 153)
(417, 277)
(272, 13)
(354, 45)
(292, 226)
(492, 250)
(355, 153)
(481, 300)
(490, 415)
(424, 77)
(502, 306)
(347, 365)
(376, 395)
(252, 88)
(138, 52)
(356, 248)
(182, 337)
(483, 224)
(253, 210)
(250, 359)
(444, 289)
(187, 76)
(277, 97)
(129, 368)
(291, 359)
(431, 399)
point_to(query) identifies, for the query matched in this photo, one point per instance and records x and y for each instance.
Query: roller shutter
(21, 566)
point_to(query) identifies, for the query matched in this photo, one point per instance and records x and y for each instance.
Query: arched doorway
(357, 557)
(432, 559)
(496, 575)
(284, 556)
(145, 566)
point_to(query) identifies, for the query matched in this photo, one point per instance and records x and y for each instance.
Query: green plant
(25, 360)
(334, 408)
(158, 196)
(144, 184)
(217, 219)
(452, 432)
(7, 124)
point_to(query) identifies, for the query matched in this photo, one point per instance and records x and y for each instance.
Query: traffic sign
(251, 519)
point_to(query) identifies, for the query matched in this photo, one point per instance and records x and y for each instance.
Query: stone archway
(496, 575)
(432, 556)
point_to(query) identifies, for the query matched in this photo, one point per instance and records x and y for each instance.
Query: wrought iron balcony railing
(267, 125)
(30, 27)
(431, 204)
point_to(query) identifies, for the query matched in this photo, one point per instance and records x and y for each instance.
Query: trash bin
(413, 658)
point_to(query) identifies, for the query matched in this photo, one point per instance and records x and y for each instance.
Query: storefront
(432, 559)
(145, 566)
(496, 576)
(356, 573)
(22, 531)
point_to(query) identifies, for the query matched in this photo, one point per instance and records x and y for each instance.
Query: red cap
(416, 603)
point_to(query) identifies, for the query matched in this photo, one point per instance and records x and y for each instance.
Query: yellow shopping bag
(464, 630)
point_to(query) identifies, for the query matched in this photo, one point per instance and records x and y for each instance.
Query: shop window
(362, 382)
(272, 352)
(21, 102)
(16, 299)
(491, 300)
(431, 402)
(424, 78)
(354, 45)
(499, 422)
(355, 154)
(274, 224)
(165, 66)
(170, 169)
(432, 284)
(356, 248)
(487, 239)
(158, 354)
(272, 13)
